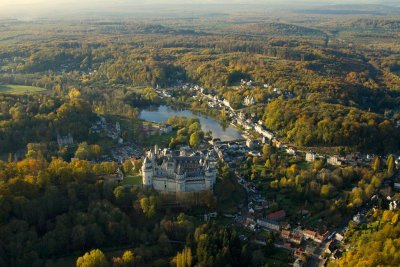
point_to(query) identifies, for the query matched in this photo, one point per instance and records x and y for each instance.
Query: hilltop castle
(166, 172)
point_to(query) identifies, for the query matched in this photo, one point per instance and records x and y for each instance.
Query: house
(296, 238)
(277, 215)
(298, 252)
(330, 246)
(393, 205)
(65, 140)
(309, 234)
(358, 218)
(316, 237)
(259, 129)
(285, 234)
(269, 224)
(310, 156)
(260, 240)
(396, 186)
(210, 215)
(276, 143)
(339, 237)
(265, 140)
(251, 143)
(293, 237)
(320, 238)
(255, 154)
(250, 223)
(215, 141)
(226, 103)
(335, 161)
(291, 151)
(285, 225)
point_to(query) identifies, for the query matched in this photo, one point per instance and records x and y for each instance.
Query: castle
(65, 140)
(166, 172)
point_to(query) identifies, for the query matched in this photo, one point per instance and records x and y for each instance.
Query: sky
(35, 8)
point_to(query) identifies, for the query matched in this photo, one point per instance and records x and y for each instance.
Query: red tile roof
(277, 215)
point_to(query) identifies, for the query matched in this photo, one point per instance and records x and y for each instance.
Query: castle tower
(180, 179)
(209, 178)
(147, 172)
(118, 127)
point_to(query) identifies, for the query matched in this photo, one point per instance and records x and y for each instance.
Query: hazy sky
(32, 8)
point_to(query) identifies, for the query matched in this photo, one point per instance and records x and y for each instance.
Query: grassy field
(19, 89)
(132, 180)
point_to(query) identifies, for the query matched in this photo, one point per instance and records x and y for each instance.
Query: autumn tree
(94, 258)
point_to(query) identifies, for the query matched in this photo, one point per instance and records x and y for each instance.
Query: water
(162, 113)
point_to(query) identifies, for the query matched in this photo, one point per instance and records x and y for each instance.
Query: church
(166, 172)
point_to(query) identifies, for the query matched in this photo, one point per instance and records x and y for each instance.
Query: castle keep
(167, 172)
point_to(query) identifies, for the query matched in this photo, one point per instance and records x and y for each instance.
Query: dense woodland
(343, 76)
(51, 209)
(376, 243)
(321, 72)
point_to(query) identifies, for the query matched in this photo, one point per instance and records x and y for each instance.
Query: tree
(128, 166)
(267, 151)
(376, 164)
(149, 206)
(96, 150)
(390, 165)
(127, 259)
(83, 151)
(74, 93)
(184, 258)
(94, 258)
(326, 190)
(194, 139)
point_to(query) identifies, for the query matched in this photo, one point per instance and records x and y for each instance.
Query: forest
(326, 82)
(320, 73)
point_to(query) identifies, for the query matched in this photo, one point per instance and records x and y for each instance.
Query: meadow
(19, 89)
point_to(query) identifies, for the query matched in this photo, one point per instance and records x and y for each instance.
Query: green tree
(128, 166)
(390, 165)
(194, 139)
(83, 151)
(149, 206)
(267, 151)
(376, 164)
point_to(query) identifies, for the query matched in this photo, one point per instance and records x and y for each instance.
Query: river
(162, 113)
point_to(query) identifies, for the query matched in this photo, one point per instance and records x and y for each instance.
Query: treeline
(310, 123)
(211, 245)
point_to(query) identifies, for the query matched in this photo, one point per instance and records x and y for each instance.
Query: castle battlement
(167, 171)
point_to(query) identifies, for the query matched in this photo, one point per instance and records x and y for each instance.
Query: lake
(162, 113)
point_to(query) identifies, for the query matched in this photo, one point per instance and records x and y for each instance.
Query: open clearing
(19, 89)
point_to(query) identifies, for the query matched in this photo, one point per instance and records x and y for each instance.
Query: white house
(310, 156)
